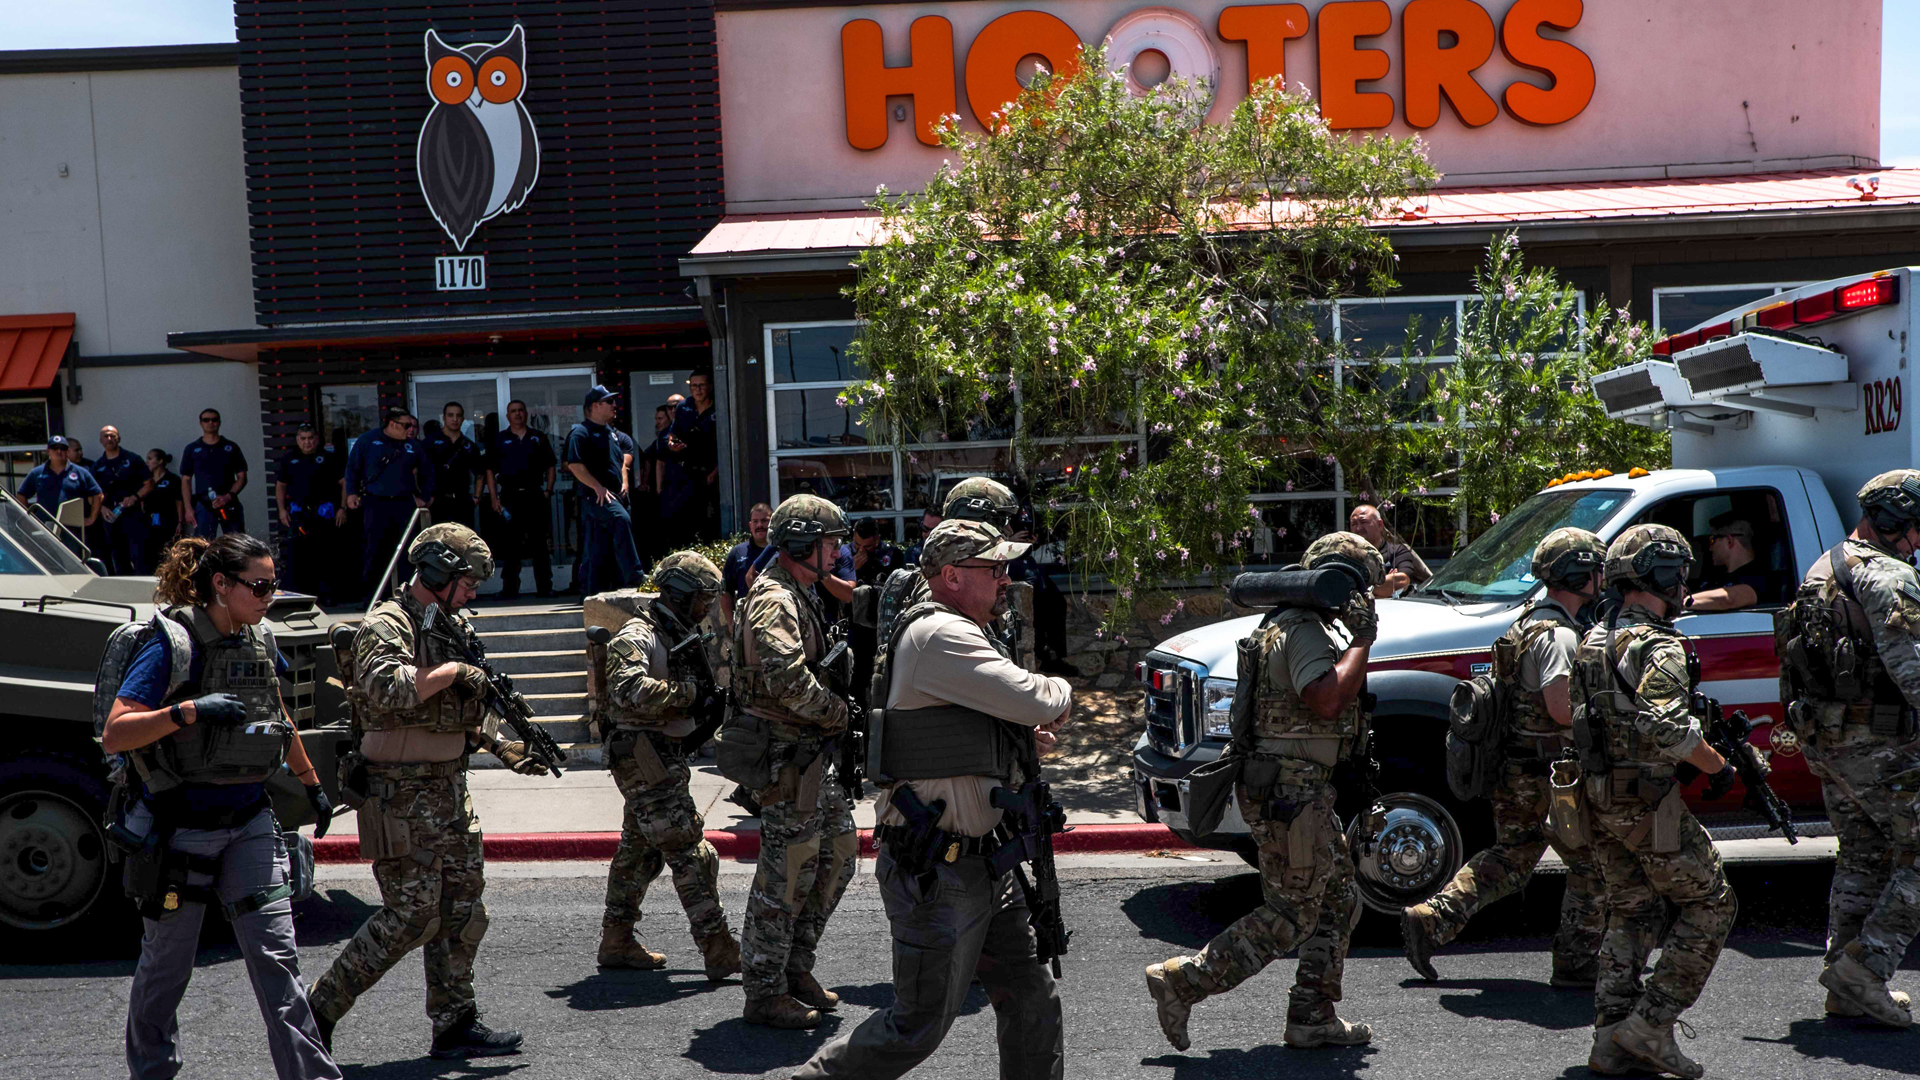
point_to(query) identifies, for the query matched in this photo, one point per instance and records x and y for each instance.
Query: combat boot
(1171, 1007)
(1416, 933)
(722, 955)
(781, 1012)
(1850, 979)
(1331, 1032)
(619, 950)
(474, 1039)
(1654, 1047)
(807, 990)
(1607, 1058)
(1842, 1009)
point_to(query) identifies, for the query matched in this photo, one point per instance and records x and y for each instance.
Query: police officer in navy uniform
(59, 480)
(388, 476)
(599, 457)
(121, 528)
(311, 497)
(457, 468)
(520, 474)
(216, 472)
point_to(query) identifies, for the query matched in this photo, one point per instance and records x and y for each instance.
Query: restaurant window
(1676, 310)
(23, 438)
(346, 412)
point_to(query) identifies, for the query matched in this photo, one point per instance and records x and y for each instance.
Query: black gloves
(1722, 782)
(219, 710)
(322, 809)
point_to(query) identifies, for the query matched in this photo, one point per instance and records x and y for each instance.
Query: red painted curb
(745, 844)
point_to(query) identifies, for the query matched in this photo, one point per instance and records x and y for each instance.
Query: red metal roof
(31, 348)
(1535, 204)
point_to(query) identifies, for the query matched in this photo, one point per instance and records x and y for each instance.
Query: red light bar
(1683, 342)
(1714, 332)
(1872, 292)
(1812, 309)
(1777, 317)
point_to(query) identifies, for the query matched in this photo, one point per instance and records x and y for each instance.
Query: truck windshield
(26, 547)
(1499, 564)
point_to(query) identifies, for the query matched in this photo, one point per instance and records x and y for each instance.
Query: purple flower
(1494, 518)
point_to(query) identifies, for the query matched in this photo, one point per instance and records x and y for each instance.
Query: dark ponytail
(186, 574)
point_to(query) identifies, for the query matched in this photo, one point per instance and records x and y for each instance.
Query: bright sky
(80, 24)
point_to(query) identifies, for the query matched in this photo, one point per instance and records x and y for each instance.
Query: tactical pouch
(144, 872)
(382, 836)
(1567, 812)
(352, 772)
(646, 759)
(1304, 836)
(806, 793)
(1259, 775)
(299, 863)
(743, 750)
(1665, 838)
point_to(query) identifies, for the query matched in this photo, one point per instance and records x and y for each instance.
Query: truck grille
(1172, 726)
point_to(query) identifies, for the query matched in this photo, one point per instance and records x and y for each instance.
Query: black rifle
(499, 694)
(835, 669)
(687, 660)
(1727, 732)
(1034, 818)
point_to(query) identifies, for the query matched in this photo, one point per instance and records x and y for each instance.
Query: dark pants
(455, 508)
(209, 523)
(525, 530)
(125, 541)
(383, 518)
(960, 924)
(607, 534)
(304, 556)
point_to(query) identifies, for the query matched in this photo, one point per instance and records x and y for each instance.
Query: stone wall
(1107, 658)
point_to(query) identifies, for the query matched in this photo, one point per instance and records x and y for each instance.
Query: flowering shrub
(1112, 266)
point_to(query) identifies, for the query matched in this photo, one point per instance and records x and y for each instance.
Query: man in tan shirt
(957, 712)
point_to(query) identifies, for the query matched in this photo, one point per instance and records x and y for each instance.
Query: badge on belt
(953, 851)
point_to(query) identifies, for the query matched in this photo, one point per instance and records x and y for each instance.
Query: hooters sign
(1442, 47)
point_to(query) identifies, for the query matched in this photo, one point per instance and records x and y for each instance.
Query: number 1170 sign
(457, 273)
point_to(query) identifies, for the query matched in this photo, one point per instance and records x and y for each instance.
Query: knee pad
(475, 927)
(708, 860)
(802, 864)
(422, 933)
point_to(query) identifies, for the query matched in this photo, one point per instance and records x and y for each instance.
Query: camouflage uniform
(808, 845)
(1287, 795)
(1863, 743)
(426, 856)
(661, 826)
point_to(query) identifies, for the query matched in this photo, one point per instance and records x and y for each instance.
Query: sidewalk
(577, 816)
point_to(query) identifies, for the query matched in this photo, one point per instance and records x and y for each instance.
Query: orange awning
(31, 348)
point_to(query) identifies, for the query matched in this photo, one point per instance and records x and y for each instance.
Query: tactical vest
(396, 624)
(1283, 724)
(241, 664)
(750, 683)
(1609, 698)
(938, 741)
(625, 649)
(1828, 653)
(1533, 732)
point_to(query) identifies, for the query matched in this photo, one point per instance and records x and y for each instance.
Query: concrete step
(552, 682)
(537, 662)
(490, 621)
(581, 754)
(573, 638)
(545, 705)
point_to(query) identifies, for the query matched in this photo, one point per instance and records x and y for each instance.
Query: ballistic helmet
(800, 520)
(443, 552)
(1892, 500)
(1567, 556)
(683, 574)
(1352, 551)
(978, 498)
(1653, 558)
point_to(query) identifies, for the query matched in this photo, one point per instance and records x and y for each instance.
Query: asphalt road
(1492, 1016)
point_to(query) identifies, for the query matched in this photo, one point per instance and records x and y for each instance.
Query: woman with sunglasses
(199, 714)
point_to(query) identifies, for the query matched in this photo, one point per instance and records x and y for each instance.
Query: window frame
(1778, 287)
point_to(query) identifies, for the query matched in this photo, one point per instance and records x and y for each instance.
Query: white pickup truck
(1779, 411)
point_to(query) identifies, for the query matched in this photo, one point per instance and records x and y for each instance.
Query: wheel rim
(52, 860)
(1416, 854)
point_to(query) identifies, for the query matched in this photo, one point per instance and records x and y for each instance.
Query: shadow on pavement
(1535, 1003)
(634, 989)
(739, 1048)
(426, 1068)
(1263, 1061)
(880, 995)
(1190, 913)
(1852, 1041)
(321, 920)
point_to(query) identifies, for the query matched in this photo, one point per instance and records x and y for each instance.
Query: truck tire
(56, 884)
(1429, 833)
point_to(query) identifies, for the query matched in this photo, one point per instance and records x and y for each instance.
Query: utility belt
(901, 841)
(920, 846)
(154, 875)
(413, 770)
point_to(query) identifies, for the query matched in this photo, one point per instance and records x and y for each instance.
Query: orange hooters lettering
(1266, 28)
(927, 78)
(1434, 70)
(1570, 69)
(1344, 65)
(1000, 46)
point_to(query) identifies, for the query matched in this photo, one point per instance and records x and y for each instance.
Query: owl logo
(478, 156)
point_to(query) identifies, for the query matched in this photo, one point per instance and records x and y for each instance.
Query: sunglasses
(261, 589)
(210, 420)
(999, 568)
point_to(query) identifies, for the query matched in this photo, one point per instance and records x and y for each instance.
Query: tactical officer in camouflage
(1535, 658)
(1307, 721)
(1634, 725)
(808, 845)
(655, 702)
(418, 714)
(1852, 672)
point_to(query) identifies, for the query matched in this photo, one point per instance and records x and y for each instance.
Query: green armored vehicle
(56, 879)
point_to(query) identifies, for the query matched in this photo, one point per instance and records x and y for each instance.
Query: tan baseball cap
(954, 540)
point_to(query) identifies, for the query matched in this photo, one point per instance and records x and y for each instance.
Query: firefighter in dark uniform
(520, 472)
(308, 490)
(458, 464)
(388, 476)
